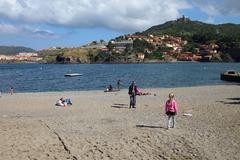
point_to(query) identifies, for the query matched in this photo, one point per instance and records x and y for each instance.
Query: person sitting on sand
(171, 111)
(139, 93)
(109, 88)
(61, 102)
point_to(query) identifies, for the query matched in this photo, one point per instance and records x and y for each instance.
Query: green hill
(188, 29)
(227, 36)
(13, 50)
(68, 55)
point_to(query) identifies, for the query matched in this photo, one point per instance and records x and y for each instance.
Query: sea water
(50, 77)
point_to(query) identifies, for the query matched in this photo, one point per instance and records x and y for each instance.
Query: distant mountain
(13, 50)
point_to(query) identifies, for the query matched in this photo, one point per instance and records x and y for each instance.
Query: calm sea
(50, 77)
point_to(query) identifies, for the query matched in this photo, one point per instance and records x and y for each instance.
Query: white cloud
(9, 29)
(131, 15)
(219, 7)
(38, 33)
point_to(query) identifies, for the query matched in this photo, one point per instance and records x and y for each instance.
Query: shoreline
(149, 62)
(98, 90)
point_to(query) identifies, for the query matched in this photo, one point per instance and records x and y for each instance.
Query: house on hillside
(206, 52)
(140, 56)
(185, 56)
(154, 40)
(120, 46)
(27, 56)
(95, 45)
(4, 57)
(54, 48)
(134, 37)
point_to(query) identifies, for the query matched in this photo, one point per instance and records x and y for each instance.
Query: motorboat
(72, 75)
(231, 75)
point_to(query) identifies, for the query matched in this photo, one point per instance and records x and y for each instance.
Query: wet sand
(101, 126)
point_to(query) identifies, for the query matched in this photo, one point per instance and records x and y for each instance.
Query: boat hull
(230, 78)
(72, 75)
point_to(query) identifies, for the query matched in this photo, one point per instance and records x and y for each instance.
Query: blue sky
(72, 23)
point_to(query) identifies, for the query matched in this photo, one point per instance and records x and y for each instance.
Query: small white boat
(72, 75)
(232, 76)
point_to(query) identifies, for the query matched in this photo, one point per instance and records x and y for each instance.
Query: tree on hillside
(110, 46)
(128, 48)
(162, 48)
(140, 45)
(190, 47)
(102, 41)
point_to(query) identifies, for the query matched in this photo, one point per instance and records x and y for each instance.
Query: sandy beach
(101, 126)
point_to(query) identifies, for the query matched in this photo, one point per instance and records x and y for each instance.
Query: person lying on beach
(68, 101)
(139, 93)
(111, 89)
(144, 94)
(61, 102)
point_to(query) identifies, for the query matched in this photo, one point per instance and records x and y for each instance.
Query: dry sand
(100, 126)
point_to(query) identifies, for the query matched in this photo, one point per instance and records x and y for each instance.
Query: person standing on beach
(132, 93)
(118, 84)
(11, 90)
(171, 111)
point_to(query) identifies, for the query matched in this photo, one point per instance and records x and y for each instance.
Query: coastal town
(167, 48)
(22, 56)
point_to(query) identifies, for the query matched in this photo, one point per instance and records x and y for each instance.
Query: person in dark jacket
(118, 84)
(132, 93)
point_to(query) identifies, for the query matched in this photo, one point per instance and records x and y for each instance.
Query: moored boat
(232, 76)
(72, 75)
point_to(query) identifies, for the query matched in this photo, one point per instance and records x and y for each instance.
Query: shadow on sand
(234, 99)
(116, 105)
(148, 126)
(231, 101)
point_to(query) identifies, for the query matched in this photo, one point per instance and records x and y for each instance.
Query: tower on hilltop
(183, 19)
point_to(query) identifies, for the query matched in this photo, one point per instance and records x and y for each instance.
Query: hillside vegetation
(191, 29)
(13, 50)
(68, 55)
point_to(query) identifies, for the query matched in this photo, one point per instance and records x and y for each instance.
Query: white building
(27, 54)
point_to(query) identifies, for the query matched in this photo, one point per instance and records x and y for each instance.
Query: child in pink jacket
(171, 111)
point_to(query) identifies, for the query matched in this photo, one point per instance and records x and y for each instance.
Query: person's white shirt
(60, 103)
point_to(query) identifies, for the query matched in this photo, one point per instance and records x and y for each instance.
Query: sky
(72, 23)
